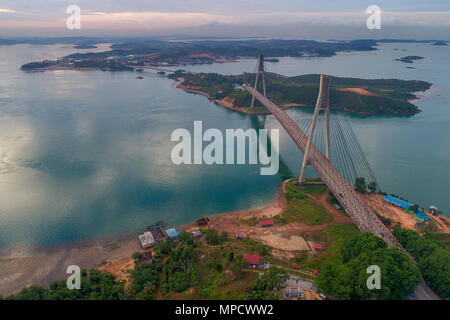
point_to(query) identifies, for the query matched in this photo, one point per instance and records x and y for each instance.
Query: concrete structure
(259, 71)
(147, 240)
(322, 104)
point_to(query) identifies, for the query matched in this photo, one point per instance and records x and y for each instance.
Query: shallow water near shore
(87, 153)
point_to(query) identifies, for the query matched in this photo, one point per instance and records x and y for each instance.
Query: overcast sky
(318, 19)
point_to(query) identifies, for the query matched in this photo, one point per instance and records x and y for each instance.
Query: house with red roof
(318, 246)
(254, 260)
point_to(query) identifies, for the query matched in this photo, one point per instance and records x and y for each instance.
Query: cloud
(177, 21)
(4, 10)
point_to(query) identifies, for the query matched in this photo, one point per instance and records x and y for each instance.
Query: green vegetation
(360, 185)
(432, 256)
(347, 278)
(268, 285)
(334, 238)
(372, 186)
(94, 286)
(383, 96)
(303, 209)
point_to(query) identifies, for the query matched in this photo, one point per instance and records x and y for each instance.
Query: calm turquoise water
(84, 154)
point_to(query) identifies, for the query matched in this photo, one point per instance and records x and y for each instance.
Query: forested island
(359, 96)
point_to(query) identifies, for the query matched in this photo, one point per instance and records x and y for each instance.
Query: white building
(147, 240)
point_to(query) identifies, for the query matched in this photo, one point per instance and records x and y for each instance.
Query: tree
(212, 236)
(414, 208)
(347, 278)
(335, 280)
(360, 184)
(372, 186)
(265, 286)
(136, 255)
(432, 256)
(239, 263)
(224, 236)
(179, 282)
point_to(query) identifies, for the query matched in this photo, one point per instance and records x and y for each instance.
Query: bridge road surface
(357, 209)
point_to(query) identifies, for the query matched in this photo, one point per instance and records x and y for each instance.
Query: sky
(319, 19)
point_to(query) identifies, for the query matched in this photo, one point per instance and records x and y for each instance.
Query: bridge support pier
(260, 71)
(322, 104)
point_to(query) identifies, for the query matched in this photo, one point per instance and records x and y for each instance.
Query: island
(352, 95)
(440, 43)
(410, 59)
(157, 53)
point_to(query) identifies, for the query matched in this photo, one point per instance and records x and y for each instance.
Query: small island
(440, 43)
(352, 95)
(410, 59)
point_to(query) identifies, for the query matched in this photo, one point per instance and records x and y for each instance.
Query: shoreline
(25, 265)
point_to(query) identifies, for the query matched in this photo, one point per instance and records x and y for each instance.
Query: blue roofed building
(172, 233)
(400, 203)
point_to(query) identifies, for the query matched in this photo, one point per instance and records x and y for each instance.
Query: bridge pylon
(322, 104)
(259, 71)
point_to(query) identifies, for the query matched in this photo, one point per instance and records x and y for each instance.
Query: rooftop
(253, 259)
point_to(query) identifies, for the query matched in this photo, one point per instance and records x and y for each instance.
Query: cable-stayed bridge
(339, 137)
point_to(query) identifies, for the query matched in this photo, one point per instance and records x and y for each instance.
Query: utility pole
(258, 72)
(322, 104)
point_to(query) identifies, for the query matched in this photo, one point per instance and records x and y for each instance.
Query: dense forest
(432, 256)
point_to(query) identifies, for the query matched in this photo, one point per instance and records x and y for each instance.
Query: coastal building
(172, 233)
(400, 203)
(146, 257)
(265, 223)
(434, 211)
(147, 240)
(196, 233)
(254, 260)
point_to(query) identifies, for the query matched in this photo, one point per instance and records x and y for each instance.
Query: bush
(136, 255)
(212, 237)
(179, 282)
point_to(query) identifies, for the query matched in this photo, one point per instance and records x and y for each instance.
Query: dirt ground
(280, 237)
(407, 220)
(360, 91)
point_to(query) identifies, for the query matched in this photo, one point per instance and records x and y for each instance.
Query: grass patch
(303, 209)
(306, 211)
